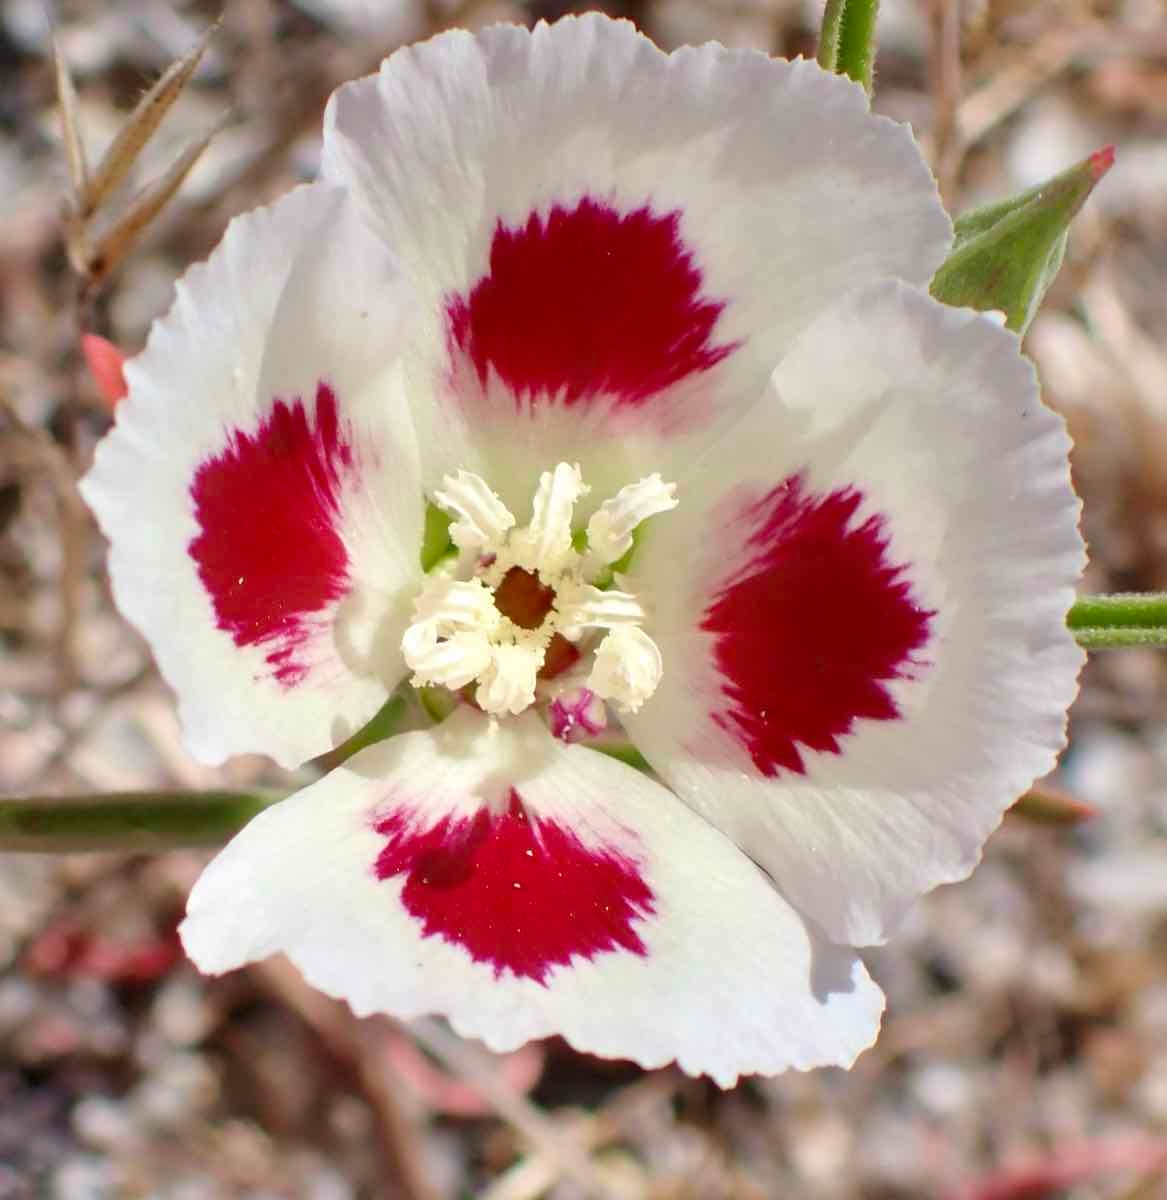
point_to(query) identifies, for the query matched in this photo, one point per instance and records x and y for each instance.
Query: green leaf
(1006, 255)
(847, 39)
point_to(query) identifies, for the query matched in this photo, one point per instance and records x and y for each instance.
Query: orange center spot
(523, 599)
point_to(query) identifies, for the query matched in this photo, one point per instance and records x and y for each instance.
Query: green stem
(1102, 638)
(126, 820)
(1126, 619)
(384, 724)
(155, 821)
(847, 39)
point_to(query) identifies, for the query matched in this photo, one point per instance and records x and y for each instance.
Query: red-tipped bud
(105, 362)
(1101, 161)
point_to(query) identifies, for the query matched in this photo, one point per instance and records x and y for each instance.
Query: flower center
(522, 605)
(523, 599)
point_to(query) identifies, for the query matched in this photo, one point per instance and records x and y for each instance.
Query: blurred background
(1024, 1052)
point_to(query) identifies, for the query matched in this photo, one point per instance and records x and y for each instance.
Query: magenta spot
(577, 714)
(268, 551)
(587, 302)
(522, 894)
(813, 628)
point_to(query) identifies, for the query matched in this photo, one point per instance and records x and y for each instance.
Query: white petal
(861, 604)
(622, 242)
(260, 487)
(524, 889)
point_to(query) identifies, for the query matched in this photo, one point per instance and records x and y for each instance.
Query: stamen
(627, 668)
(508, 684)
(586, 607)
(452, 662)
(546, 542)
(460, 604)
(610, 528)
(481, 518)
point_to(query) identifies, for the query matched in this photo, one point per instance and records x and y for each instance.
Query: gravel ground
(1025, 1048)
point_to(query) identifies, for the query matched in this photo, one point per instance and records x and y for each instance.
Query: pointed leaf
(1006, 255)
(142, 123)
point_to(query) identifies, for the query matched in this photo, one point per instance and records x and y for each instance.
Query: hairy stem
(1126, 619)
(847, 39)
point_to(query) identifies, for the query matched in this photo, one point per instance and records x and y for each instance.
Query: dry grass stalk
(92, 254)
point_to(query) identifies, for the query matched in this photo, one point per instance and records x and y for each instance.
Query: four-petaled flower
(650, 331)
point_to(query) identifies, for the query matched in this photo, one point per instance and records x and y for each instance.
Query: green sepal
(619, 747)
(1007, 254)
(437, 702)
(435, 538)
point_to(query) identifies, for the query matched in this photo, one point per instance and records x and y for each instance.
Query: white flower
(651, 330)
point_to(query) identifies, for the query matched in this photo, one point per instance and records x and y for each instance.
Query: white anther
(610, 528)
(481, 518)
(454, 604)
(586, 607)
(508, 683)
(451, 662)
(545, 544)
(627, 668)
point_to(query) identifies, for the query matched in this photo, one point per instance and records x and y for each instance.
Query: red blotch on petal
(587, 302)
(521, 894)
(269, 552)
(813, 628)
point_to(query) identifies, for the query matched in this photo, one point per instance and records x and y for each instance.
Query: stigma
(518, 604)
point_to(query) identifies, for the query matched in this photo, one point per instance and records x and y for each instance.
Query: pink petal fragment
(589, 302)
(813, 627)
(269, 552)
(520, 893)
